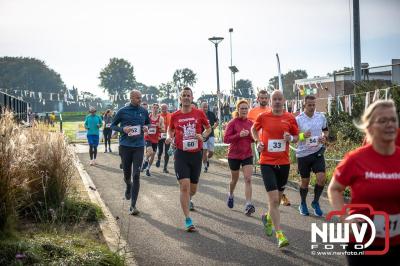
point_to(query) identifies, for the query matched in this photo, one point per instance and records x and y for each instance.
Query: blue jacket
(92, 124)
(131, 115)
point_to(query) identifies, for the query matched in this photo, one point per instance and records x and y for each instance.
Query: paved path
(224, 237)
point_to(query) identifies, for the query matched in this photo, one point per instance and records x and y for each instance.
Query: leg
(204, 157)
(137, 158)
(91, 152)
(94, 152)
(193, 189)
(247, 172)
(160, 145)
(234, 180)
(273, 204)
(166, 156)
(184, 187)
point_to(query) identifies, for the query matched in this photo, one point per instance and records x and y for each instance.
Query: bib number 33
(276, 145)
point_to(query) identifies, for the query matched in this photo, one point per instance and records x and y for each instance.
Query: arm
(254, 133)
(161, 125)
(116, 121)
(86, 123)
(230, 136)
(335, 194)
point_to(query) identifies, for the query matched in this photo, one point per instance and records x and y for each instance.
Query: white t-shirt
(315, 124)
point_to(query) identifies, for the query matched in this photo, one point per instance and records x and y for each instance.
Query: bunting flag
(350, 105)
(386, 93)
(376, 96)
(366, 100)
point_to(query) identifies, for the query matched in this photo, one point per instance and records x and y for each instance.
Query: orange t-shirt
(276, 149)
(167, 118)
(254, 112)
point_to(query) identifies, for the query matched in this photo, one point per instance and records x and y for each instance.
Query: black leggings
(107, 137)
(93, 152)
(161, 144)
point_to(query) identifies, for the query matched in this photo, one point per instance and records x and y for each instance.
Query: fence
(17, 106)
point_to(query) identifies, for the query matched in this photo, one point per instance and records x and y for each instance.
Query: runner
(52, 119)
(208, 145)
(278, 128)
(161, 143)
(238, 135)
(130, 121)
(186, 126)
(310, 153)
(92, 124)
(107, 118)
(152, 136)
(373, 174)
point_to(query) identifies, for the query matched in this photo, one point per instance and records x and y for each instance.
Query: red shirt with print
(153, 133)
(186, 127)
(374, 179)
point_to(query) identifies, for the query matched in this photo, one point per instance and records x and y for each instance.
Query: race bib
(152, 130)
(190, 144)
(276, 145)
(312, 141)
(108, 125)
(163, 135)
(135, 131)
(394, 225)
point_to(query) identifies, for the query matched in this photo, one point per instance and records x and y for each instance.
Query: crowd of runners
(263, 134)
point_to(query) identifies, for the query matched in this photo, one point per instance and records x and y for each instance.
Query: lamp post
(216, 41)
(232, 68)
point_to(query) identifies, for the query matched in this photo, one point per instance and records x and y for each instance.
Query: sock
(303, 194)
(317, 192)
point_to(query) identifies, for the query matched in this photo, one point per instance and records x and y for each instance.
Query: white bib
(163, 135)
(394, 225)
(135, 131)
(152, 130)
(190, 144)
(276, 145)
(108, 125)
(312, 141)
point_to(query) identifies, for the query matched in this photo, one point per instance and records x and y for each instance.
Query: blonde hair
(366, 117)
(235, 113)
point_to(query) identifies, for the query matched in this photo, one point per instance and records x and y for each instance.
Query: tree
(117, 77)
(149, 93)
(211, 99)
(23, 73)
(184, 77)
(244, 88)
(288, 81)
(167, 92)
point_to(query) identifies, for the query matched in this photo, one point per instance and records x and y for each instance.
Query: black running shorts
(314, 162)
(188, 165)
(234, 164)
(275, 177)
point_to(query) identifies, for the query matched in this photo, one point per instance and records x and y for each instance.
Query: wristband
(291, 138)
(301, 137)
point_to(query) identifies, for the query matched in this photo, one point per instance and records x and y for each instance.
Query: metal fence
(17, 106)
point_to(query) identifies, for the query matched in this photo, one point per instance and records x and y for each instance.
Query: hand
(307, 134)
(260, 146)
(322, 139)
(199, 137)
(287, 137)
(145, 129)
(127, 129)
(244, 133)
(168, 141)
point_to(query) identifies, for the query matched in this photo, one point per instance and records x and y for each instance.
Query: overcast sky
(77, 38)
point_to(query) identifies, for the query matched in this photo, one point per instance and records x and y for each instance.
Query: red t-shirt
(276, 149)
(186, 127)
(153, 133)
(239, 147)
(373, 179)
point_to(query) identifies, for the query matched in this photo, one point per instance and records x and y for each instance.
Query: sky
(77, 38)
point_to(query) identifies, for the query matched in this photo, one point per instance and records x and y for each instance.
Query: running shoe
(158, 163)
(230, 201)
(189, 225)
(144, 166)
(282, 240)
(191, 205)
(165, 171)
(133, 211)
(148, 172)
(249, 209)
(285, 201)
(317, 208)
(267, 221)
(208, 163)
(303, 209)
(105, 151)
(109, 150)
(128, 191)
(205, 169)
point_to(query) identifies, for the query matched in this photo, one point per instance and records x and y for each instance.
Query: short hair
(262, 92)
(310, 97)
(187, 89)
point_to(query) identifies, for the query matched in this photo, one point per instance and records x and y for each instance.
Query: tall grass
(36, 167)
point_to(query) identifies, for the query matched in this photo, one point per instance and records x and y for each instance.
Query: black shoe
(208, 163)
(158, 163)
(133, 211)
(165, 171)
(148, 172)
(120, 166)
(205, 169)
(128, 192)
(144, 166)
(109, 150)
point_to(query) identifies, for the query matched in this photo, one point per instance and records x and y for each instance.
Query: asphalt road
(224, 237)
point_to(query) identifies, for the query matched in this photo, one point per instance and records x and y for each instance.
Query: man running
(186, 126)
(208, 144)
(278, 128)
(310, 153)
(92, 124)
(130, 121)
(161, 143)
(152, 136)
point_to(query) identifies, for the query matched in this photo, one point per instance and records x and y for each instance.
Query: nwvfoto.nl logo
(331, 235)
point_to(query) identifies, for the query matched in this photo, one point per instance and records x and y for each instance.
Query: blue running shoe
(189, 225)
(303, 209)
(230, 201)
(317, 209)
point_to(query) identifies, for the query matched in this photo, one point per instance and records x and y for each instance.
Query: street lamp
(216, 41)
(233, 68)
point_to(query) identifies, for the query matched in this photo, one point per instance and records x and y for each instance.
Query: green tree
(288, 81)
(184, 77)
(150, 94)
(117, 77)
(167, 92)
(244, 88)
